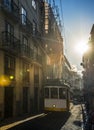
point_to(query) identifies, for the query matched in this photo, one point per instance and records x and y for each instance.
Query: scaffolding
(51, 4)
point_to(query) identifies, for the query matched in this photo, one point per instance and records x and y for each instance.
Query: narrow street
(46, 64)
(65, 121)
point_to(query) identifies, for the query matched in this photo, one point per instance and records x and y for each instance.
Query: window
(35, 52)
(46, 92)
(25, 45)
(54, 93)
(9, 28)
(9, 63)
(8, 3)
(62, 93)
(34, 4)
(34, 27)
(24, 16)
(25, 40)
(36, 75)
(26, 72)
(46, 17)
(9, 33)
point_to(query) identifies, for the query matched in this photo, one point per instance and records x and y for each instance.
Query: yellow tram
(56, 97)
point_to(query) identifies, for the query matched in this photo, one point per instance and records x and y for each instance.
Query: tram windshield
(54, 93)
(62, 93)
(46, 92)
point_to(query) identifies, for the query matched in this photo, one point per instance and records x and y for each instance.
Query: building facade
(71, 77)
(88, 73)
(27, 55)
(53, 44)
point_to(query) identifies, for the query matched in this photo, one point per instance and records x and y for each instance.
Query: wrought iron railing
(26, 24)
(25, 51)
(10, 42)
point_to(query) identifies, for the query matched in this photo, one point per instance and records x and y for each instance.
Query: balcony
(37, 58)
(10, 42)
(26, 24)
(11, 10)
(26, 51)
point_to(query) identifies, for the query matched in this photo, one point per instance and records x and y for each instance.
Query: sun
(81, 47)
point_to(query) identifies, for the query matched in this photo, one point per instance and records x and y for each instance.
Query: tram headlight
(54, 105)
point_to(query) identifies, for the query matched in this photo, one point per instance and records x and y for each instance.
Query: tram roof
(56, 83)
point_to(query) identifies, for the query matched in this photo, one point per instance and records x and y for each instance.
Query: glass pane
(54, 93)
(24, 15)
(46, 92)
(62, 93)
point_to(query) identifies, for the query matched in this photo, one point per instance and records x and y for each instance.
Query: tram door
(8, 102)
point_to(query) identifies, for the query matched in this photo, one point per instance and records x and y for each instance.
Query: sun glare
(81, 47)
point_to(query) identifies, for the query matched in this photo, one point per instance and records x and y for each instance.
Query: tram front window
(54, 93)
(46, 92)
(62, 93)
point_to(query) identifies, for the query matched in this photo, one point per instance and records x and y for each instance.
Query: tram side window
(62, 93)
(54, 93)
(46, 92)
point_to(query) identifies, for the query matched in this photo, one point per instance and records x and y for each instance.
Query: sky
(77, 19)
